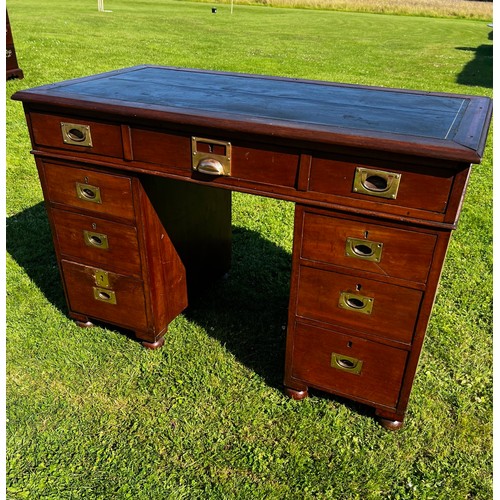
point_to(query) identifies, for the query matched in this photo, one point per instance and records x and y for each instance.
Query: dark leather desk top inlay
(332, 112)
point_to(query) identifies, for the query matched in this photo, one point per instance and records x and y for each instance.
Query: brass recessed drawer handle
(356, 303)
(211, 157)
(210, 166)
(104, 295)
(76, 134)
(376, 183)
(346, 363)
(97, 240)
(86, 192)
(364, 249)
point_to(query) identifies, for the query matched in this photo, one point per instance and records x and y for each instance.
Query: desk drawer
(89, 190)
(363, 305)
(396, 187)
(104, 295)
(348, 365)
(97, 241)
(386, 251)
(249, 161)
(77, 134)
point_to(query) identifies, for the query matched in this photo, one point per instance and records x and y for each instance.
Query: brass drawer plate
(89, 193)
(96, 240)
(356, 303)
(376, 183)
(76, 134)
(346, 363)
(101, 278)
(211, 157)
(105, 295)
(364, 249)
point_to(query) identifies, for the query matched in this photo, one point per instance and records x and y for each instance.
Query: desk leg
(390, 421)
(295, 394)
(153, 345)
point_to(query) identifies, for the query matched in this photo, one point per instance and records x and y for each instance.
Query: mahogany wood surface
(406, 253)
(169, 226)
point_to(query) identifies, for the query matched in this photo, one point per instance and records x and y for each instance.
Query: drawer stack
(362, 291)
(111, 249)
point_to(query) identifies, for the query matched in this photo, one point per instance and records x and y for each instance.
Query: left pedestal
(117, 262)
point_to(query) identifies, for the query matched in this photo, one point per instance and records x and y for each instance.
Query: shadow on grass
(29, 242)
(479, 71)
(247, 310)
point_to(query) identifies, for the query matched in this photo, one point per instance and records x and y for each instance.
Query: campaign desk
(137, 168)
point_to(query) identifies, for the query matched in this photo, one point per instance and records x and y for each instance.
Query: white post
(100, 6)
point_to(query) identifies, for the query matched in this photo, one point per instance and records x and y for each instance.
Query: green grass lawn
(92, 415)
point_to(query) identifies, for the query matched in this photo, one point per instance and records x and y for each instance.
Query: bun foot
(390, 425)
(84, 324)
(297, 395)
(153, 345)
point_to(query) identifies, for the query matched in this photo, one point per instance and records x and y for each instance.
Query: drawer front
(368, 306)
(369, 247)
(107, 296)
(420, 188)
(97, 242)
(249, 162)
(161, 148)
(94, 191)
(266, 166)
(348, 365)
(77, 134)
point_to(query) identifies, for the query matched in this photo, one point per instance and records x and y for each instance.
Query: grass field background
(92, 415)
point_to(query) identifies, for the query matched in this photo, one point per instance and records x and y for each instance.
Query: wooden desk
(137, 168)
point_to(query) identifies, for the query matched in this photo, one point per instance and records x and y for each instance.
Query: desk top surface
(447, 125)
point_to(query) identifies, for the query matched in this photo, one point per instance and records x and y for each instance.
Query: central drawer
(97, 242)
(363, 305)
(251, 162)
